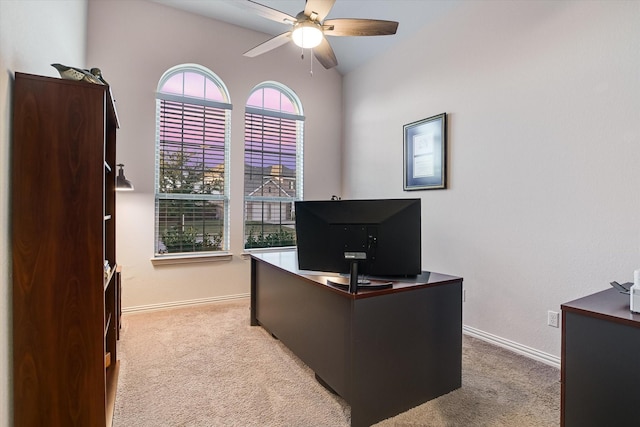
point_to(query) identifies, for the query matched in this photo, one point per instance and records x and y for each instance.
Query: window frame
(299, 120)
(223, 109)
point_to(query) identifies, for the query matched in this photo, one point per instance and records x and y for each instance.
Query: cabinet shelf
(108, 278)
(112, 385)
(107, 324)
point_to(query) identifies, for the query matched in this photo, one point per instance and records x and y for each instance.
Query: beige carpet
(205, 366)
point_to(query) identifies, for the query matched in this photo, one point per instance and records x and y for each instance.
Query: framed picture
(425, 153)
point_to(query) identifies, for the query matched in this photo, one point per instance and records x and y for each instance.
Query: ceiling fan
(309, 29)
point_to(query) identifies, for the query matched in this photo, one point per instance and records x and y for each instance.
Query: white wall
(134, 43)
(543, 102)
(30, 39)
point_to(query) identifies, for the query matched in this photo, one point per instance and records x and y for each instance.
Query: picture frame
(425, 153)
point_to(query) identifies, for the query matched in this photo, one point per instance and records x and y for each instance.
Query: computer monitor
(382, 235)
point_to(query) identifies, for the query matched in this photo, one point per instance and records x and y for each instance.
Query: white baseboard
(161, 306)
(532, 353)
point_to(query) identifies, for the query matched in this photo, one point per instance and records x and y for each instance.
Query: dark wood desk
(384, 351)
(600, 374)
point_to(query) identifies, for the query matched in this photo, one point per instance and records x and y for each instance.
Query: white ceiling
(351, 52)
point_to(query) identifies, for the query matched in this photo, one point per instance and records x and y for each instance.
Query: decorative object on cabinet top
(93, 75)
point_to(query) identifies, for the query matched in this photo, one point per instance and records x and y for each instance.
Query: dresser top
(608, 304)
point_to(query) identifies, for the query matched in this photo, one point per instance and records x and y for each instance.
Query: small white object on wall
(634, 292)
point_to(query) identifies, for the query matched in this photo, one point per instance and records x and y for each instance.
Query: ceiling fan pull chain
(311, 56)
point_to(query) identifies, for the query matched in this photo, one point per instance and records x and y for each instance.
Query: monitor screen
(382, 234)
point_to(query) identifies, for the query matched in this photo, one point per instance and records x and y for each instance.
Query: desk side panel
(311, 320)
(407, 350)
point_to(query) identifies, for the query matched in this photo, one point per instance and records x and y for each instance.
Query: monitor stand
(356, 283)
(353, 278)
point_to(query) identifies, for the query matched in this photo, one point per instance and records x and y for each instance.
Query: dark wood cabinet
(65, 296)
(600, 344)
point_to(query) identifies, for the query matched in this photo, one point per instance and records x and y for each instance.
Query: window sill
(247, 252)
(190, 258)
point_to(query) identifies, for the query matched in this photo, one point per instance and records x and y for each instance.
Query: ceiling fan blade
(320, 7)
(265, 11)
(324, 54)
(359, 27)
(270, 44)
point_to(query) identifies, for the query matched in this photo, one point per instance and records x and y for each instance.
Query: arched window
(273, 136)
(193, 114)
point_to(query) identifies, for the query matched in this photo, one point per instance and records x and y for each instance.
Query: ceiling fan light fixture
(307, 34)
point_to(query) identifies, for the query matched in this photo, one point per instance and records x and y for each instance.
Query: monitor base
(364, 285)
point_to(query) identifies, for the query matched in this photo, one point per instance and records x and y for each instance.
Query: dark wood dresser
(600, 361)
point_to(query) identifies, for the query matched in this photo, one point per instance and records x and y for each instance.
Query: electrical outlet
(553, 318)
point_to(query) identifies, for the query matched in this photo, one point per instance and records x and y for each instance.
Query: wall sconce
(122, 183)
